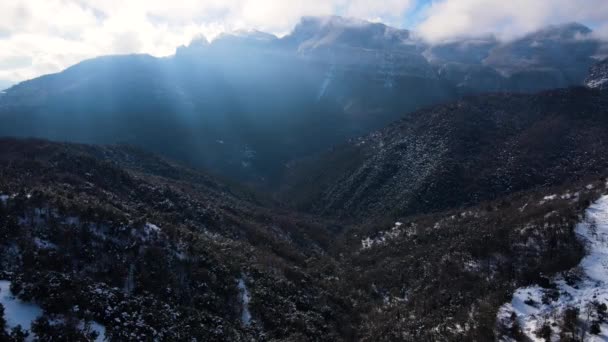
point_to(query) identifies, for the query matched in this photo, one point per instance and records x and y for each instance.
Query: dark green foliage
(516, 332)
(148, 255)
(531, 302)
(570, 325)
(2, 322)
(457, 155)
(65, 329)
(602, 311)
(545, 332)
(595, 328)
(458, 268)
(18, 334)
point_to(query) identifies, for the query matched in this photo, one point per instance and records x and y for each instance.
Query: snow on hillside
(245, 298)
(100, 330)
(597, 83)
(579, 295)
(326, 82)
(383, 237)
(598, 76)
(17, 312)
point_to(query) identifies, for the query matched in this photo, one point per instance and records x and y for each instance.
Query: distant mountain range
(247, 103)
(460, 221)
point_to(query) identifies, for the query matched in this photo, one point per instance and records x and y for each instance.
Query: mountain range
(244, 105)
(346, 182)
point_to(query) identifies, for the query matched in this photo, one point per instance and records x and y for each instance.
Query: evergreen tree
(2, 322)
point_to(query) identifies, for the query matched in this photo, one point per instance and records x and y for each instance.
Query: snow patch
(326, 82)
(547, 199)
(44, 244)
(535, 306)
(245, 298)
(17, 312)
(96, 327)
(151, 228)
(100, 330)
(385, 236)
(72, 221)
(597, 83)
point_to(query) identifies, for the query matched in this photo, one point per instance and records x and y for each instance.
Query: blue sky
(44, 36)
(416, 14)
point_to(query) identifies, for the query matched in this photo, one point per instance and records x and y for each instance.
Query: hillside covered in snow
(573, 304)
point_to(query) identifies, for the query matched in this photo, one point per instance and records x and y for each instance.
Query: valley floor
(573, 304)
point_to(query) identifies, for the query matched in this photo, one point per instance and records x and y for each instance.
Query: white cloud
(49, 35)
(388, 11)
(44, 36)
(509, 18)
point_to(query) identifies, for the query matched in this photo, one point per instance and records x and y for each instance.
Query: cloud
(44, 36)
(446, 19)
(390, 12)
(54, 34)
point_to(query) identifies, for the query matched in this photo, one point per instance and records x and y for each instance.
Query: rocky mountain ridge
(247, 101)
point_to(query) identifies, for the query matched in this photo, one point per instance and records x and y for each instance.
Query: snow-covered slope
(20, 313)
(598, 76)
(573, 303)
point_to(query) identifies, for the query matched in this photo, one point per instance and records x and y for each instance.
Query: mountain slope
(553, 57)
(457, 154)
(98, 234)
(420, 231)
(574, 302)
(247, 103)
(444, 276)
(598, 76)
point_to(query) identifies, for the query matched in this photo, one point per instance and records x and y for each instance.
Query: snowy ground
(383, 237)
(17, 312)
(100, 330)
(244, 294)
(597, 83)
(533, 306)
